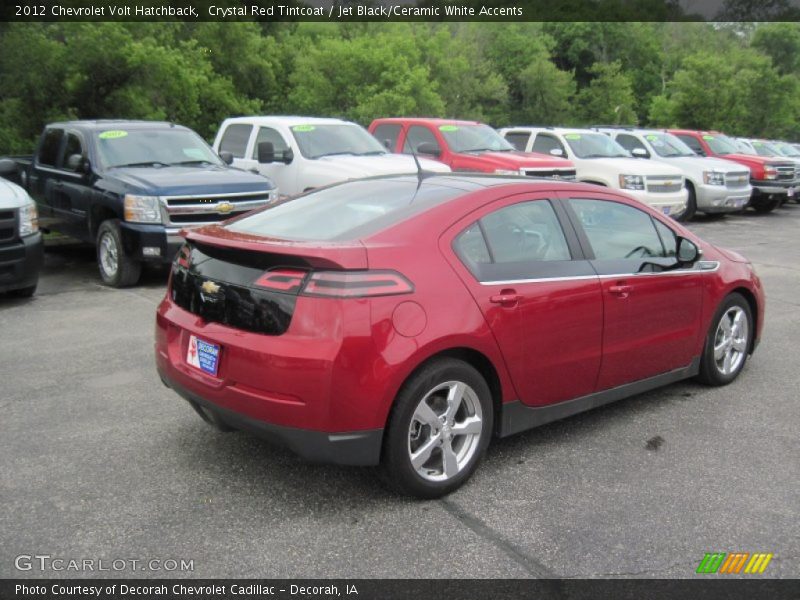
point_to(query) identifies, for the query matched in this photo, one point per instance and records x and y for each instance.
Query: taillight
(282, 280)
(356, 284)
(183, 256)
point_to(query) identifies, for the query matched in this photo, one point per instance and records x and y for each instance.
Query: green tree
(547, 94)
(781, 42)
(609, 98)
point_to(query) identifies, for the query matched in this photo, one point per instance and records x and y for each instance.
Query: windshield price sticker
(112, 135)
(708, 137)
(572, 136)
(302, 128)
(448, 128)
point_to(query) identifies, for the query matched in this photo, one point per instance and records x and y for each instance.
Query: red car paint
(482, 162)
(339, 365)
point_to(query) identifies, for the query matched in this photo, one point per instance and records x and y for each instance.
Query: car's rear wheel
(439, 429)
(728, 341)
(117, 269)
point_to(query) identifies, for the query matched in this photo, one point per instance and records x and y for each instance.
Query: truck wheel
(691, 205)
(26, 292)
(440, 426)
(764, 203)
(117, 269)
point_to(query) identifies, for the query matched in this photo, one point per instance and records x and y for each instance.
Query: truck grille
(8, 225)
(565, 174)
(211, 208)
(737, 179)
(664, 185)
(786, 173)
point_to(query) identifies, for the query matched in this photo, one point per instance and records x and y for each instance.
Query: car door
(652, 310)
(422, 135)
(283, 174)
(540, 298)
(71, 191)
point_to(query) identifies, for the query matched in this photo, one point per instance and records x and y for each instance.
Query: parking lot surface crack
(533, 567)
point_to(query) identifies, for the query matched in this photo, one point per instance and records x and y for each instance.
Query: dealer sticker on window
(203, 355)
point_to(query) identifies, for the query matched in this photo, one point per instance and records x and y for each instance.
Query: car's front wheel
(728, 341)
(117, 269)
(439, 429)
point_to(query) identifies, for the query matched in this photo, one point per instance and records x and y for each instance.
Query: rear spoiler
(321, 255)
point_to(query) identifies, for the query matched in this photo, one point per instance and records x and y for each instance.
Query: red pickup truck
(773, 179)
(466, 146)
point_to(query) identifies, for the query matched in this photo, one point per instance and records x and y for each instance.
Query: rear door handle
(506, 298)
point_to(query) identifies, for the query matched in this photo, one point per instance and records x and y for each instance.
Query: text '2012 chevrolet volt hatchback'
(406, 320)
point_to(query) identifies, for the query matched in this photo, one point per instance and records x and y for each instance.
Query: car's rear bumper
(358, 448)
(20, 263)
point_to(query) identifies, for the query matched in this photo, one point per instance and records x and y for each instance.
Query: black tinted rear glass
(348, 211)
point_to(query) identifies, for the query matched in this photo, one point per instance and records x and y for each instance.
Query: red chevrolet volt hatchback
(406, 320)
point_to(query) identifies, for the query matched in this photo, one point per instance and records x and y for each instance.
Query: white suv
(715, 185)
(303, 153)
(599, 159)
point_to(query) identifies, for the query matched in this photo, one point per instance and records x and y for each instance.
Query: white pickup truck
(302, 153)
(599, 159)
(715, 185)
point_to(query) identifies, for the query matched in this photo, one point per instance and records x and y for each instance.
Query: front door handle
(620, 289)
(506, 298)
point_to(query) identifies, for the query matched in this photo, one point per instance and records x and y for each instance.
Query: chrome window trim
(703, 266)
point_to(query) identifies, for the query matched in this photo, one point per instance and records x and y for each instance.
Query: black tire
(127, 269)
(711, 373)
(25, 292)
(691, 205)
(396, 460)
(765, 203)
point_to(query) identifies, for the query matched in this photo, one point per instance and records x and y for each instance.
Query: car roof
(426, 120)
(546, 128)
(289, 120)
(103, 124)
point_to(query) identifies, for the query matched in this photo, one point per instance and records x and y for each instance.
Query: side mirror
(75, 163)
(8, 167)
(428, 148)
(288, 156)
(557, 152)
(266, 152)
(687, 251)
(387, 143)
(640, 153)
(226, 157)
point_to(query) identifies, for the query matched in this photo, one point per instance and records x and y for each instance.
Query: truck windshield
(668, 146)
(146, 147)
(786, 149)
(316, 141)
(721, 144)
(474, 138)
(594, 145)
(765, 149)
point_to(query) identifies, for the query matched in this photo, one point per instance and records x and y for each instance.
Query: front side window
(545, 144)
(72, 146)
(617, 231)
(630, 142)
(418, 135)
(267, 134)
(693, 143)
(387, 134)
(509, 242)
(594, 145)
(319, 140)
(235, 139)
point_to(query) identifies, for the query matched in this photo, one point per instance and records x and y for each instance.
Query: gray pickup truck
(21, 248)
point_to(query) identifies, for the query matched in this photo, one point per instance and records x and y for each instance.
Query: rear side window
(387, 135)
(235, 139)
(509, 242)
(545, 143)
(418, 135)
(348, 211)
(51, 142)
(72, 146)
(518, 139)
(619, 232)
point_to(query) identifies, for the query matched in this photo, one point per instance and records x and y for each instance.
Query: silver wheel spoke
(719, 351)
(449, 459)
(471, 425)
(425, 415)
(725, 325)
(421, 456)
(454, 398)
(726, 364)
(740, 345)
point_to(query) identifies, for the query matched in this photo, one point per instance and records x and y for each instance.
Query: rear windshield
(347, 211)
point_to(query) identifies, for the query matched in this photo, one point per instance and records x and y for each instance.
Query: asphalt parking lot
(100, 461)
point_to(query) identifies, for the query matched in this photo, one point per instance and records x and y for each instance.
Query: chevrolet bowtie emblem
(225, 207)
(209, 287)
